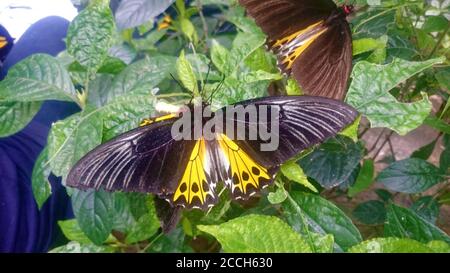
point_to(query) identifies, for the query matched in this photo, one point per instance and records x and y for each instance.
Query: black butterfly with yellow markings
(152, 159)
(312, 40)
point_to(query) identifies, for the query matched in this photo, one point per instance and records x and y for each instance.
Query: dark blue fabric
(24, 228)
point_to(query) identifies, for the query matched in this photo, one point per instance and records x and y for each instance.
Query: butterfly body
(311, 39)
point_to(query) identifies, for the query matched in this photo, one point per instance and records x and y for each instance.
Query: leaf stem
(304, 222)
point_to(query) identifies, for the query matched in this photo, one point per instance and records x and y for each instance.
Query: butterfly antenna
(218, 87)
(183, 88)
(203, 90)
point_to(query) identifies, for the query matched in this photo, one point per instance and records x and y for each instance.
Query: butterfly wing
(303, 121)
(148, 159)
(308, 43)
(324, 68)
(281, 18)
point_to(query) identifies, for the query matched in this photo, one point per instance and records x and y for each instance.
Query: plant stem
(439, 42)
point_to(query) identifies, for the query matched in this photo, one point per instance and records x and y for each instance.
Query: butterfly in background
(311, 39)
(186, 173)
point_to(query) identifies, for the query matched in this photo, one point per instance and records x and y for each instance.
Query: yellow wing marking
(194, 183)
(3, 41)
(149, 121)
(297, 48)
(244, 170)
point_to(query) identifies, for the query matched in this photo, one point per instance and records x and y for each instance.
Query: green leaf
(369, 44)
(439, 246)
(141, 76)
(384, 195)
(125, 113)
(364, 179)
(369, 94)
(410, 175)
(72, 138)
(170, 243)
(390, 245)
(145, 226)
(37, 78)
(186, 74)
(133, 13)
(73, 232)
(435, 23)
(278, 196)
(14, 116)
(295, 173)
(293, 89)
(403, 223)
(427, 207)
(90, 36)
(323, 218)
(39, 179)
(425, 151)
(76, 247)
(243, 46)
(323, 243)
(352, 130)
(333, 162)
(371, 212)
(257, 234)
(94, 211)
(188, 29)
(437, 124)
(99, 89)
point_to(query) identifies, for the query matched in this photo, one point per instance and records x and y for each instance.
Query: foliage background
(353, 193)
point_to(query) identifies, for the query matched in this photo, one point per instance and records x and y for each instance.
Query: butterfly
(185, 170)
(311, 39)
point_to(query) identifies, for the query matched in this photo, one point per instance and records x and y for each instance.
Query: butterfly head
(348, 9)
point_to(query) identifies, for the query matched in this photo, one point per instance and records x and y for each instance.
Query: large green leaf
(90, 35)
(37, 78)
(186, 74)
(94, 211)
(243, 46)
(410, 175)
(369, 94)
(133, 13)
(390, 245)
(323, 217)
(403, 223)
(39, 179)
(72, 231)
(72, 138)
(333, 162)
(125, 113)
(257, 234)
(14, 116)
(141, 76)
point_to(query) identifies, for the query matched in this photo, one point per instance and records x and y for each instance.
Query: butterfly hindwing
(244, 176)
(311, 39)
(324, 67)
(281, 18)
